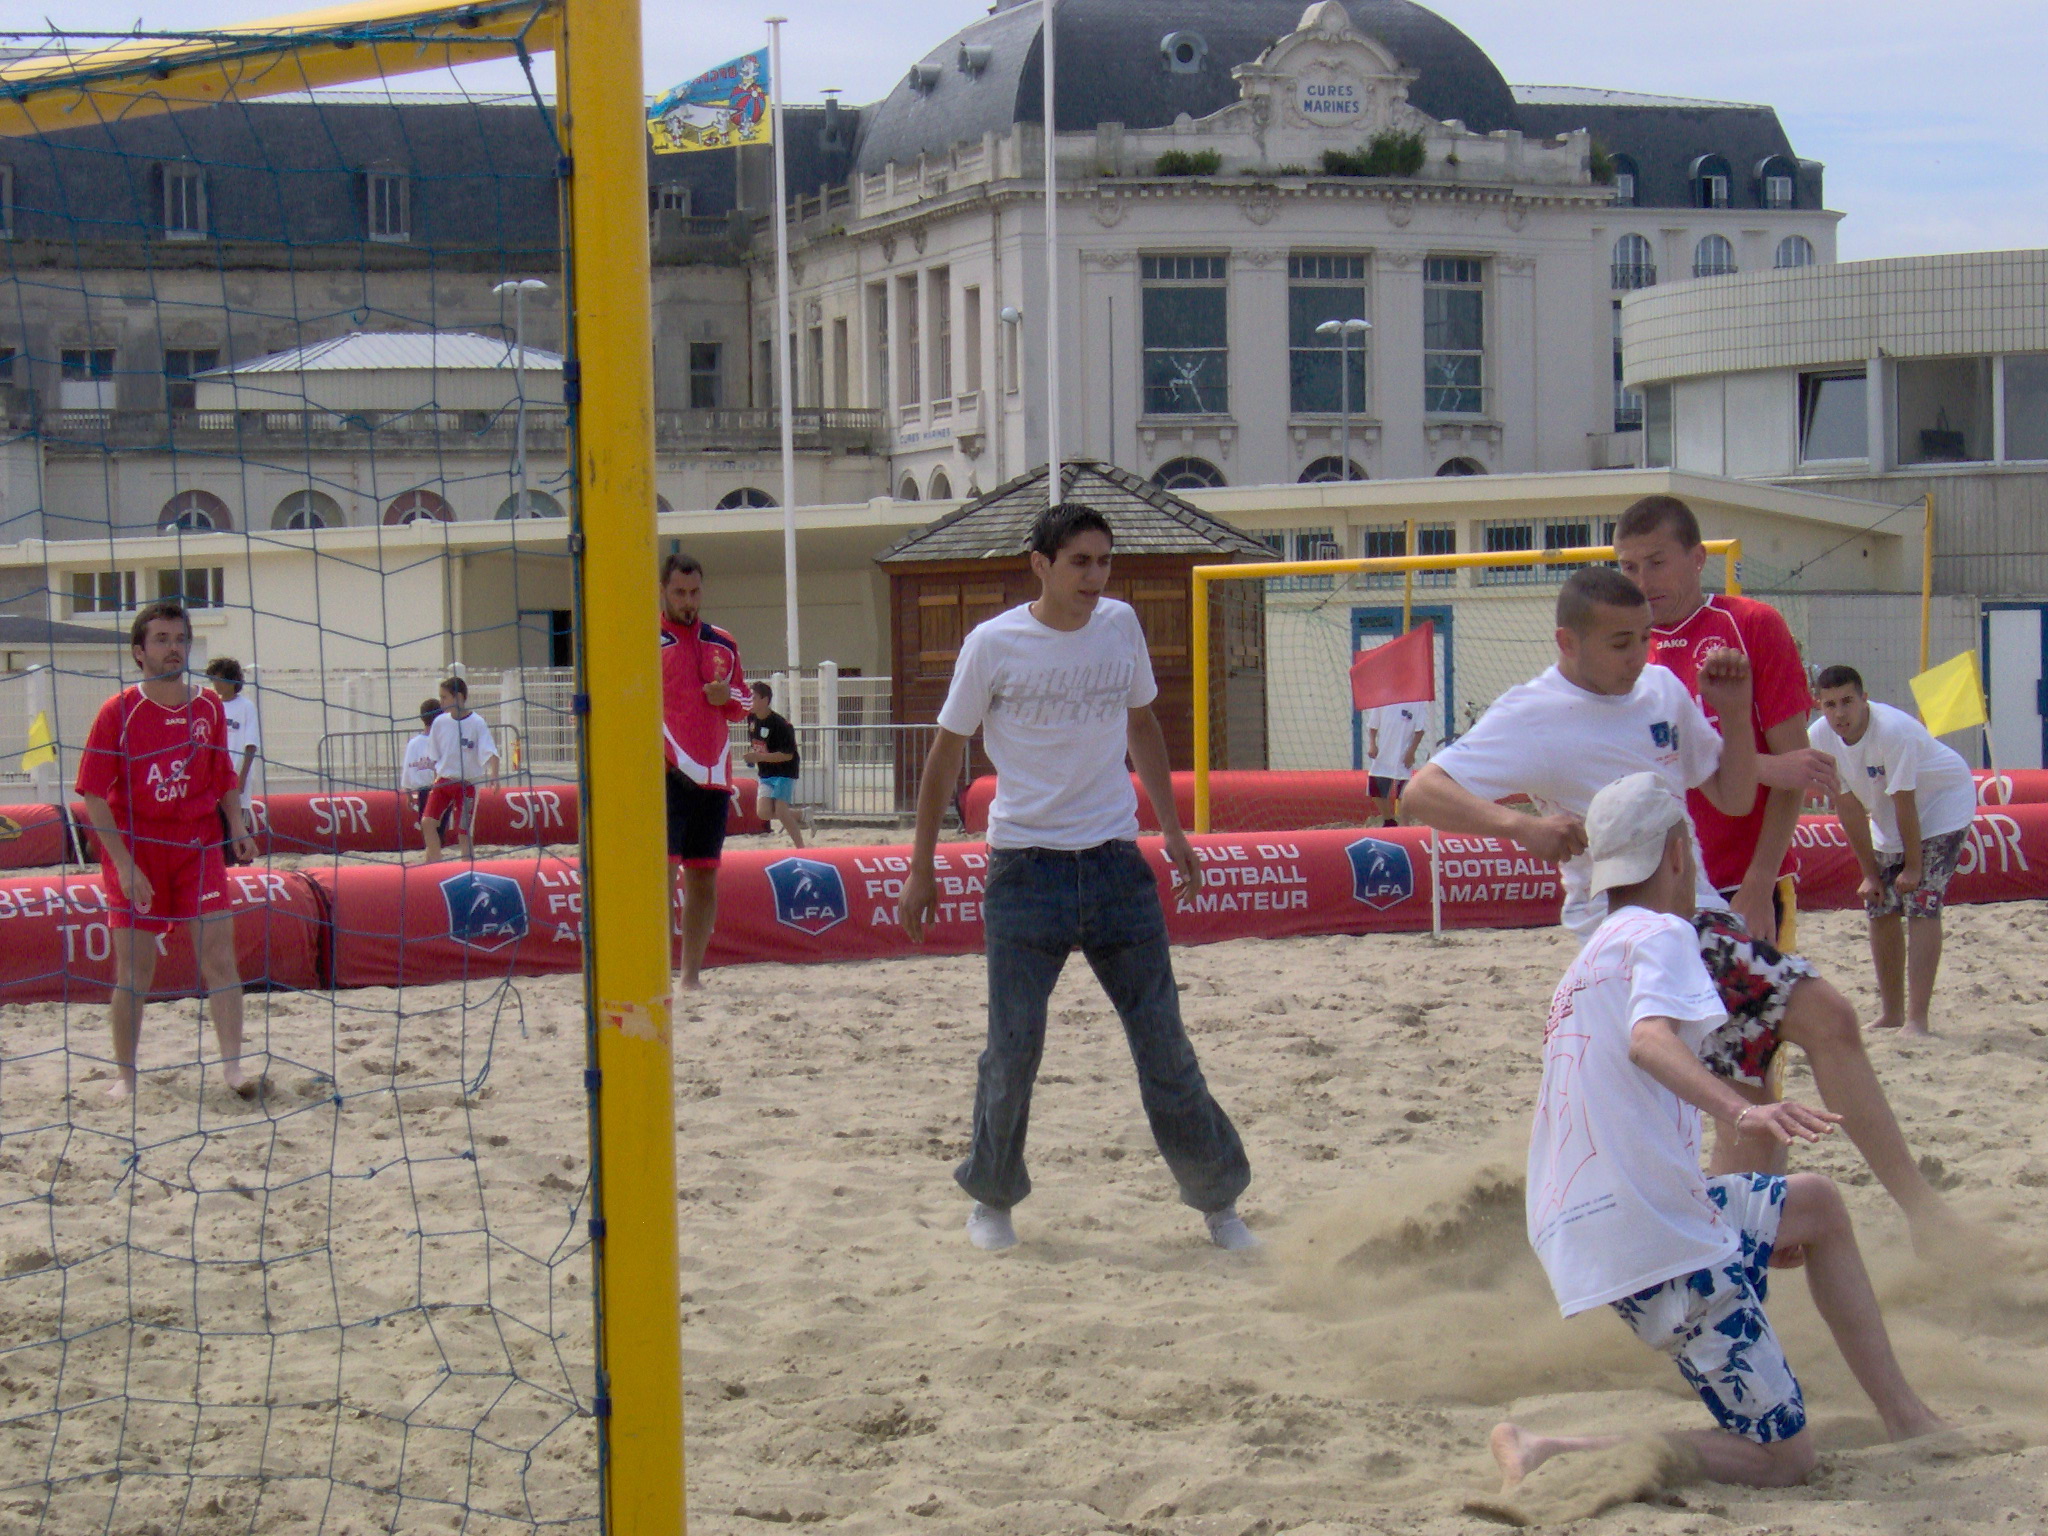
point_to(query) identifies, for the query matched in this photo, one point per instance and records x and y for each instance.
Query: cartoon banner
(722, 108)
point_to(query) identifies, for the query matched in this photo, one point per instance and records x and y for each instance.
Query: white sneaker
(1228, 1231)
(989, 1229)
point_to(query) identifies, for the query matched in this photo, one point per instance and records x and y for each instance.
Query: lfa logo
(1382, 874)
(809, 894)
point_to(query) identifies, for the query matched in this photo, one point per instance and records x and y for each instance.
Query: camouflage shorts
(1938, 859)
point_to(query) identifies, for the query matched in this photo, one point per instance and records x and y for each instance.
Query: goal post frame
(1387, 565)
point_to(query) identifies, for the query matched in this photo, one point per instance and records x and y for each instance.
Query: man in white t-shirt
(1061, 690)
(1393, 735)
(416, 765)
(465, 754)
(1601, 714)
(245, 738)
(1915, 799)
(1618, 1210)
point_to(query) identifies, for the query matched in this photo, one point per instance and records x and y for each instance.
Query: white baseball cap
(1626, 826)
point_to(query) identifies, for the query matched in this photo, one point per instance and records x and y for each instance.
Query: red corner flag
(1401, 671)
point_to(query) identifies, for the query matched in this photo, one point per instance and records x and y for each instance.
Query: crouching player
(157, 783)
(1618, 1210)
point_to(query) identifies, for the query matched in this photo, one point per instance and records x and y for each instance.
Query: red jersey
(697, 738)
(159, 768)
(1779, 693)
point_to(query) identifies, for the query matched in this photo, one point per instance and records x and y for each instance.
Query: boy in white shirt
(1918, 799)
(416, 765)
(245, 737)
(464, 756)
(1393, 735)
(1061, 689)
(1618, 1210)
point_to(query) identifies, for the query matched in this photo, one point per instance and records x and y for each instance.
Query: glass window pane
(1833, 423)
(1184, 317)
(1945, 411)
(1453, 318)
(2026, 406)
(1657, 423)
(1314, 382)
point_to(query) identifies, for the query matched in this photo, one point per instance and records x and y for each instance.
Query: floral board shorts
(1938, 859)
(1755, 982)
(1712, 1323)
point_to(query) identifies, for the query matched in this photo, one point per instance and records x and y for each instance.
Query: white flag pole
(785, 368)
(1052, 270)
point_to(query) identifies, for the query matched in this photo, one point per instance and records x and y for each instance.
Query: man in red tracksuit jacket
(703, 691)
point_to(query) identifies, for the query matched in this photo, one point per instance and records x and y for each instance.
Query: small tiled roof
(1146, 519)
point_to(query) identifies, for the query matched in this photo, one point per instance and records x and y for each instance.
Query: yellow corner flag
(1951, 696)
(42, 746)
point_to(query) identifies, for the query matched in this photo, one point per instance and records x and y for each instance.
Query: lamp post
(1344, 330)
(519, 288)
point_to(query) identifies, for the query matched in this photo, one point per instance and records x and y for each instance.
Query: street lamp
(1344, 330)
(519, 288)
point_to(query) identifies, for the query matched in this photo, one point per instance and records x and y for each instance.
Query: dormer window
(1710, 182)
(1182, 53)
(1776, 185)
(1624, 181)
(388, 209)
(184, 210)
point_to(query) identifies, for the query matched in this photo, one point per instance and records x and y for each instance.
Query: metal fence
(858, 770)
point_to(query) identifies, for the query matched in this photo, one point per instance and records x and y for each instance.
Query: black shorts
(419, 808)
(696, 822)
(1382, 787)
(227, 842)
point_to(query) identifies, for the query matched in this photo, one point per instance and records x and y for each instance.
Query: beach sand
(852, 1364)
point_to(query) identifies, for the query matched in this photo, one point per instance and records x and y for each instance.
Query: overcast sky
(1932, 121)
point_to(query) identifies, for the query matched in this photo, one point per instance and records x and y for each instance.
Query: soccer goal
(1273, 659)
(360, 376)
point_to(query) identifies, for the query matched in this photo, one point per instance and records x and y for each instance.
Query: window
(2026, 405)
(1794, 251)
(102, 591)
(704, 375)
(1634, 264)
(1187, 475)
(1713, 257)
(907, 491)
(1775, 183)
(1453, 468)
(671, 197)
(87, 379)
(764, 374)
(840, 362)
(1833, 419)
(180, 364)
(941, 488)
(1710, 181)
(303, 510)
(814, 366)
(529, 503)
(1539, 533)
(1453, 336)
(1186, 336)
(184, 202)
(1389, 541)
(1628, 404)
(1625, 181)
(1322, 288)
(1658, 437)
(417, 506)
(194, 586)
(1331, 468)
(745, 496)
(970, 324)
(1302, 544)
(389, 211)
(938, 293)
(1945, 410)
(910, 370)
(194, 512)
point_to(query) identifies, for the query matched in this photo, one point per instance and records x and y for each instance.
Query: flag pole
(785, 367)
(1052, 270)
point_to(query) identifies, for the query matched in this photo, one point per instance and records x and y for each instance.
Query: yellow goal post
(1407, 567)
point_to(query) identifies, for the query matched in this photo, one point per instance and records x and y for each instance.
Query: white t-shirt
(1396, 725)
(1053, 707)
(243, 732)
(1898, 753)
(461, 747)
(1560, 745)
(1616, 1200)
(416, 767)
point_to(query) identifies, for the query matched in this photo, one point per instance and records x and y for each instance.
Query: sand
(852, 1363)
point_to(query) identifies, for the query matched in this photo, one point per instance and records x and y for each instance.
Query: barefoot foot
(1886, 1022)
(123, 1087)
(1510, 1447)
(238, 1080)
(1917, 1029)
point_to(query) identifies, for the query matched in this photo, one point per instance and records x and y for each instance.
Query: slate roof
(1146, 520)
(383, 350)
(1664, 141)
(1110, 70)
(24, 630)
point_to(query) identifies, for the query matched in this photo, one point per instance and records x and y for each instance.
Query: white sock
(1227, 1230)
(989, 1229)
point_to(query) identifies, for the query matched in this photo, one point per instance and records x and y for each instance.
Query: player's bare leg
(1923, 963)
(1888, 954)
(134, 970)
(1723, 1458)
(700, 916)
(790, 820)
(214, 938)
(430, 833)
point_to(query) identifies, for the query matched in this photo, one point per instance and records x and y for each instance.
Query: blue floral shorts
(1712, 1324)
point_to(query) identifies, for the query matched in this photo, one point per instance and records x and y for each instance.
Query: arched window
(537, 504)
(1634, 263)
(1710, 182)
(1777, 184)
(1461, 467)
(1625, 181)
(1795, 251)
(413, 506)
(194, 512)
(661, 505)
(745, 496)
(941, 489)
(1187, 475)
(1713, 257)
(1330, 468)
(307, 509)
(908, 491)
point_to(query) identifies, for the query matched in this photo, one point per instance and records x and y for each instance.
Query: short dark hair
(763, 690)
(1839, 677)
(677, 561)
(168, 608)
(1063, 522)
(1656, 514)
(456, 686)
(226, 668)
(1594, 586)
(429, 708)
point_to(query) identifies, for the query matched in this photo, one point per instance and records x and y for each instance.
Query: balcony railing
(1633, 274)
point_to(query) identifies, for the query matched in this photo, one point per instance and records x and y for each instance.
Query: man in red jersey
(1771, 996)
(157, 780)
(703, 691)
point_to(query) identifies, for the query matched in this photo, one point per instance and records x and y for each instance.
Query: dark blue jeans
(1041, 905)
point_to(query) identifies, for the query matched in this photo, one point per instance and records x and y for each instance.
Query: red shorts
(452, 795)
(187, 880)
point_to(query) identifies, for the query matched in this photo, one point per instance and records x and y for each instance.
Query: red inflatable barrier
(414, 924)
(2005, 858)
(33, 836)
(55, 945)
(2014, 786)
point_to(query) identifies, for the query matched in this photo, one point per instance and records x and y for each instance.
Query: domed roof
(1110, 70)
